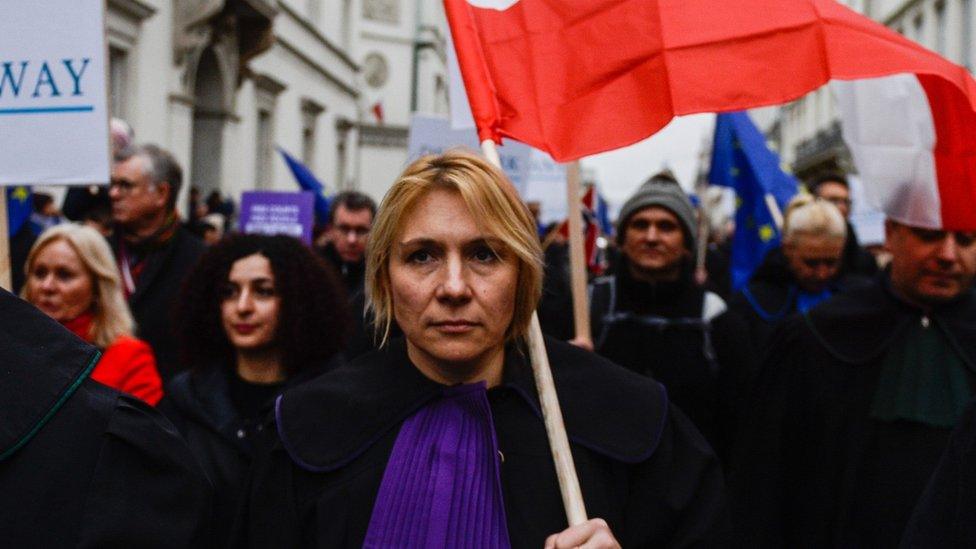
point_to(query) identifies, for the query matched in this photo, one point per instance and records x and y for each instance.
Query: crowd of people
(177, 384)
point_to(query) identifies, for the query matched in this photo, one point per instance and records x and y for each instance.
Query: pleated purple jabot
(441, 487)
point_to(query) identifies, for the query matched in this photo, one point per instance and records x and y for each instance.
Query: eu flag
(741, 160)
(308, 182)
(18, 208)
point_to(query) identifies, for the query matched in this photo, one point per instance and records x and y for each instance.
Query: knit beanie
(661, 190)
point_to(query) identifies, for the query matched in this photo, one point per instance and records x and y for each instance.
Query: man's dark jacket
(657, 330)
(642, 466)
(199, 404)
(946, 514)
(157, 291)
(82, 465)
(812, 467)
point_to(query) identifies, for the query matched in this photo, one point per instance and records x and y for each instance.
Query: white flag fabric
(895, 140)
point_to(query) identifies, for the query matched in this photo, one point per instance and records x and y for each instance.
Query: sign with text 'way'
(53, 113)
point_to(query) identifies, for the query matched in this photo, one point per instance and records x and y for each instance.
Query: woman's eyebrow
(421, 241)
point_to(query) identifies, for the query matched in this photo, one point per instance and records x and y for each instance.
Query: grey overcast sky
(678, 146)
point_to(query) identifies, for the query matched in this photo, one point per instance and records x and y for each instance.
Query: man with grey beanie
(652, 317)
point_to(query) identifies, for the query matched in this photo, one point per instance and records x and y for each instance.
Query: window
(266, 90)
(917, 24)
(263, 158)
(343, 128)
(940, 28)
(118, 69)
(310, 113)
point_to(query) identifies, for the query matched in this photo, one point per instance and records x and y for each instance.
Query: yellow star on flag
(20, 194)
(766, 233)
(734, 172)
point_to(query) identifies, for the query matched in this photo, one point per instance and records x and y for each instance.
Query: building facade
(224, 83)
(808, 130)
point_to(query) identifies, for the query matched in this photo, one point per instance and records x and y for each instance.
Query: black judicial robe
(643, 466)
(812, 467)
(946, 513)
(83, 465)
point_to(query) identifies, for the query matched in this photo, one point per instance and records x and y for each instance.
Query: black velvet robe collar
(376, 393)
(41, 365)
(859, 325)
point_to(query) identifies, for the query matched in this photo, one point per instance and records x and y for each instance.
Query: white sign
(533, 173)
(53, 113)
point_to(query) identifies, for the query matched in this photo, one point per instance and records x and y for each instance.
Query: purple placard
(273, 212)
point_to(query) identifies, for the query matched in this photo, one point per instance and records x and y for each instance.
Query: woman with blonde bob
(803, 272)
(72, 277)
(436, 440)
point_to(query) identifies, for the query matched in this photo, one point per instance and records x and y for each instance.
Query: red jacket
(127, 364)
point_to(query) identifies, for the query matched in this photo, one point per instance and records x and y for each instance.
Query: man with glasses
(153, 250)
(858, 396)
(834, 188)
(350, 221)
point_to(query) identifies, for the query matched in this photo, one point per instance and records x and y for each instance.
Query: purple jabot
(441, 487)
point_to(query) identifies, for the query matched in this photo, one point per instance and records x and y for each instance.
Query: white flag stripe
(888, 126)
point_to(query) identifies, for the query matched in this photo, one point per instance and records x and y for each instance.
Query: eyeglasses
(123, 186)
(358, 232)
(815, 262)
(838, 201)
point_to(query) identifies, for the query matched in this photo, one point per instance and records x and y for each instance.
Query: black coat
(855, 260)
(656, 330)
(946, 513)
(157, 290)
(200, 406)
(770, 297)
(642, 466)
(813, 468)
(82, 465)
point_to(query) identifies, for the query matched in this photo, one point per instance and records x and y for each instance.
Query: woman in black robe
(258, 314)
(436, 440)
(83, 465)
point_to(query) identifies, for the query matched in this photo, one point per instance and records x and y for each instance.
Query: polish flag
(915, 155)
(580, 77)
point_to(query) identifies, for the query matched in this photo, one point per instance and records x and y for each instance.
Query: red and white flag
(914, 154)
(579, 77)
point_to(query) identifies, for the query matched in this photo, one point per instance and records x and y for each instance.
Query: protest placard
(271, 212)
(53, 107)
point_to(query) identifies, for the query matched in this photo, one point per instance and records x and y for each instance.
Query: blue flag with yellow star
(741, 160)
(18, 208)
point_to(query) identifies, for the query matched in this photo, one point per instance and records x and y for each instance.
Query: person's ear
(163, 190)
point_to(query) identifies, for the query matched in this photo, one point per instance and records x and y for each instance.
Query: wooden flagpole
(577, 256)
(552, 415)
(6, 280)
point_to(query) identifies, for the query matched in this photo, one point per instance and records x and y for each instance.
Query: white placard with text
(53, 110)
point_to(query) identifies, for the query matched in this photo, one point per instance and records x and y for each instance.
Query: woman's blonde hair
(112, 316)
(493, 202)
(810, 216)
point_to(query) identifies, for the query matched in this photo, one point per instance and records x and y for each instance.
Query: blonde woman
(436, 439)
(72, 277)
(803, 272)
